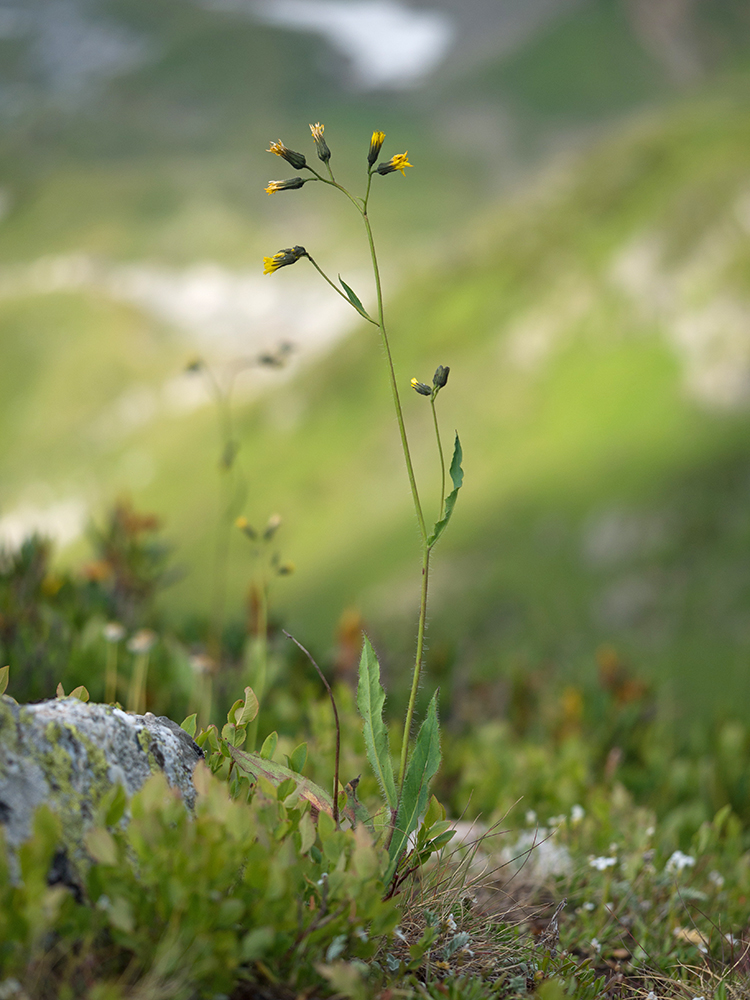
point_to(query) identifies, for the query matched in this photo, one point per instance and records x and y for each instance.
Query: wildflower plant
(405, 791)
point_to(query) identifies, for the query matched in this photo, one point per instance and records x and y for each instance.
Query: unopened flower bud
(441, 376)
(421, 388)
(289, 256)
(194, 365)
(376, 144)
(397, 162)
(324, 152)
(297, 160)
(292, 184)
(274, 523)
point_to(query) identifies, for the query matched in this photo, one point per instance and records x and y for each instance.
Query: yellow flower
(397, 162)
(297, 160)
(420, 387)
(376, 144)
(289, 256)
(288, 185)
(317, 133)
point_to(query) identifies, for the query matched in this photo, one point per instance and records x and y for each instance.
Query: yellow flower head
(317, 133)
(420, 387)
(297, 160)
(376, 144)
(289, 185)
(289, 256)
(397, 162)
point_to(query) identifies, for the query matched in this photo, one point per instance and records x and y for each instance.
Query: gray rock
(69, 754)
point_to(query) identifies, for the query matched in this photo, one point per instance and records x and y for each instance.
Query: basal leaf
(370, 701)
(423, 766)
(457, 477)
(256, 767)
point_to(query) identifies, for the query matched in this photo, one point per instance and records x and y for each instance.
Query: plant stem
(442, 458)
(417, 665)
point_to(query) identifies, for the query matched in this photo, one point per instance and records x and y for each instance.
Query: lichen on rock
(69, 754)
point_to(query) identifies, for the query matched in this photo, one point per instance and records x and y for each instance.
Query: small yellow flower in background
(317, 133)
(289, 256)
(288, 185)
(376, 144)
(420, 387)
(397, 162)
(297, 160)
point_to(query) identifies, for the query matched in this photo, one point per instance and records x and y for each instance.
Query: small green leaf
(298, 758)
(117, 800)
(370, 701)
(60, 691)
(352, 297)
(189, 724)
(249, 709)
(80, 693)
(423, 766)
(457, 477)
(4, 672)
(101, 845)
(269, 746)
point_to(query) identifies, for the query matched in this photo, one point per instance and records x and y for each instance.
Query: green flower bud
(440, 377)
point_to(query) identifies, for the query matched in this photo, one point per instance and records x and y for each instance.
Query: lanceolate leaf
(370, 701)
(423, 766)
(457, 476)
(353, 298)
(256, 766)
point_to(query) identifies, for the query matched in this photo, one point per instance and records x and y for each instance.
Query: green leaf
(4, 672)
(457, 477)
(80, 693)
(298, 758)
(370, 701)
(352, 297)
(423, 766)
(256, 767)
(249, 710)
(189, 724)
(269, 746)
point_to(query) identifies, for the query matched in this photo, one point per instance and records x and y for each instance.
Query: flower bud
(281, 259)
(297, 160)
(274, 523)
(324, 152)
(421, 388)
(376, 144)
(397, 162)
(440, 377)
(289, 185)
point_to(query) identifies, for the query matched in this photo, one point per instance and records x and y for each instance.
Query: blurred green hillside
(596, 321)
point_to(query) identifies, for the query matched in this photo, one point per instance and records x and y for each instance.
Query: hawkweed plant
(406, 796)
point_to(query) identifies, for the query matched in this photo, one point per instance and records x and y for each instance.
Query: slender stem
(417, 665)
(338, 727)
(394, 385)
(442, 459)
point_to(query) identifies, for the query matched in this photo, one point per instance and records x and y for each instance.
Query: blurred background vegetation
(574, 241)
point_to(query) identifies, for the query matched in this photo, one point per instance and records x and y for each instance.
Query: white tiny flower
(651, 995)
(450, 923)
(678, 861)
(717, 878)
(596, 945)
(113, 631)
(601, 864)
(530, 817)
(142, 641)
(577, 812)
(589, 907)
(613, 848)
(650, 831)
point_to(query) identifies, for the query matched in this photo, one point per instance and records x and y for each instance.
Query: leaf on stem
(457, 476)
(248, 711)
(370, 701)
(352, 296)
(423, 766)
